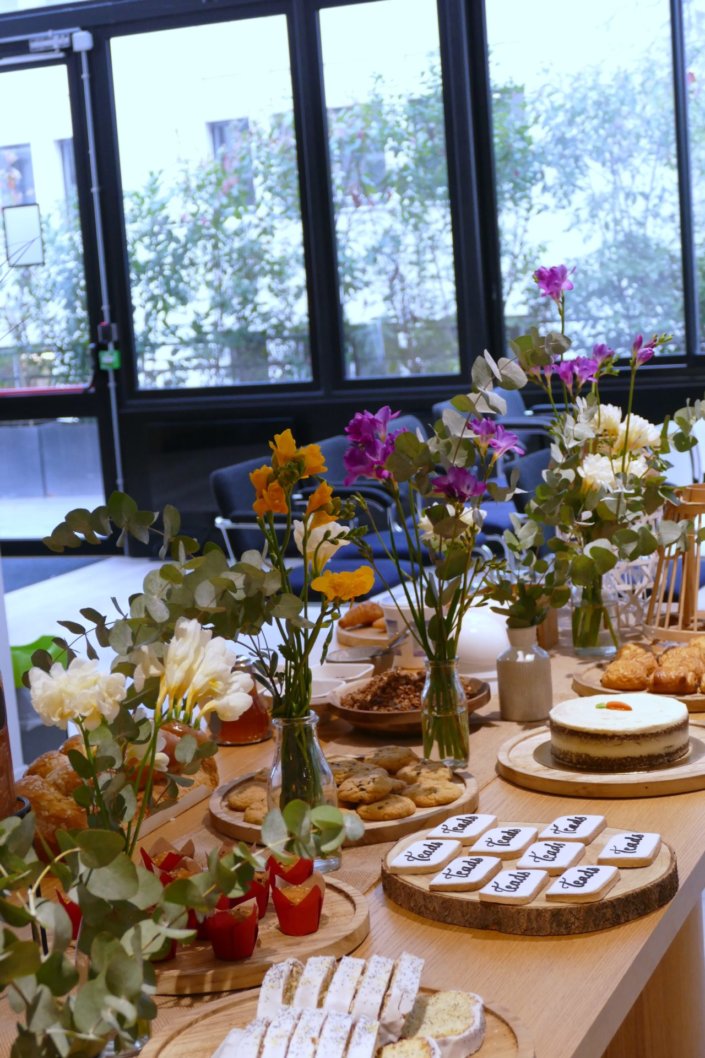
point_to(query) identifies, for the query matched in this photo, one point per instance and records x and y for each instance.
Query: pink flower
(371, 446)
(602, 352)
(553, 281)
(641, 352)
(458, 483)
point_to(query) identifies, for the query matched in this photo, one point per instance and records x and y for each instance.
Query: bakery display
(672, 670)
(633, 731)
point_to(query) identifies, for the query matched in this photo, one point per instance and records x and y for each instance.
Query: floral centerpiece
(607, 476)
(436, 489)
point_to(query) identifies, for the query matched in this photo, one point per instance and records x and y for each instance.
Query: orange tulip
(341, 587)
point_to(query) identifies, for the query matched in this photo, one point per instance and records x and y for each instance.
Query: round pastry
(430, 794)
(623, 732)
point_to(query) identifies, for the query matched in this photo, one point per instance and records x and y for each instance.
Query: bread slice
(455, 1020)
(371, 990)
(278, 987)
(364, 1039)
(401, 996)
(304, 1042)
(334, 1035)
(418, 1047)
(279, 1033)
(314, 981)
(343, 986)
(250, 1041)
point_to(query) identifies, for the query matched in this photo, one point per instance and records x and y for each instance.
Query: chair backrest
(530, 468)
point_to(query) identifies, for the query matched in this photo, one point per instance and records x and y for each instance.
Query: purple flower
(371, 446)
(602, 352)
(554, 280)
(564, 370)
(585, 368)
(641, 352)
(484, 429)
(366, 426)
(458, 483)
(505, 441)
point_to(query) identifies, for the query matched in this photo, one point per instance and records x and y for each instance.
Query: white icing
(341, 990)
(583, 883)
(552, 856)
(334, 1035)
(514, 887)
(649, 713)
(401, 996)
(230, 1047)
(306, 1035)
(631, 848)
(364, 1038)
(272, 996)
(372, 988)
(506, 842)
(279, 1032)
(465, 828)
(423, 857)
(464, 1043)
(466, 873)
(317, 972)
(251, 1039)
(576, 827)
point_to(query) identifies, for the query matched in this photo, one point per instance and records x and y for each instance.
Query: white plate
(341, 671)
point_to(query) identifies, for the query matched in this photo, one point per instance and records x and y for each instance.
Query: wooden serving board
(527, 761)
(638, 891)
(587, 682)
(394, 722)
(505, 1036)
(231, 822)
(362, 637)
(345, 923)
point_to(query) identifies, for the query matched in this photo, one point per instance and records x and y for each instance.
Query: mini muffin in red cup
(298, 907)
(258, 890)
(295, 872)
(233, 932)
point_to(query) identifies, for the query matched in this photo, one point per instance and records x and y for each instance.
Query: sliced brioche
(418, 1047)
(343, 986)
(279, 1033)
(304, 1041)
(314, 981)
(364, 1039)
(401, 996)
(278, 987)
(334, 1035)
(455, 1020)
(372, 988)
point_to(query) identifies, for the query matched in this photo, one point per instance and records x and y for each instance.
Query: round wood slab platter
(231, 822)
(638, 891)
(345, 922)
(394, 722)
(527, 761)
(362, 637)
(588, 682)
(505, 1036)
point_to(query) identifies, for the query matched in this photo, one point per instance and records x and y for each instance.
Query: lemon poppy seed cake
(626, 733)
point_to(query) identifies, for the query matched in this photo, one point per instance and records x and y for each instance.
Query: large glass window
(694, 25)
(584, 141)
(390, 188)
(212, 209)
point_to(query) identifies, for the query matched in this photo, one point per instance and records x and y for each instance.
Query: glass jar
(252, 726)
(594, 620)
(301, 772)
(444, 715)
(524, 678)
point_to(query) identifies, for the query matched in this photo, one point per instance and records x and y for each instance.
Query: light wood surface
(390, 723)
(344, 924)
(505, 1036)
(527, 761)
(230, 822)
(588, 682)
(638, 891)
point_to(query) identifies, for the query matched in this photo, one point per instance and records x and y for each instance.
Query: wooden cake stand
(638, 891)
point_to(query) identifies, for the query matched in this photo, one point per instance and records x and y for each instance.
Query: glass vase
(594, 621)
(301, 772)
(114, 1049)
(444, 715)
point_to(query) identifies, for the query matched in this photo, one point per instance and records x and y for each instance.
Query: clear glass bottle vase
(301, 772)
(594, 620)
(444, 715)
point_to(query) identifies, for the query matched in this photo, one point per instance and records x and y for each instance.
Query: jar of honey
(254, 724)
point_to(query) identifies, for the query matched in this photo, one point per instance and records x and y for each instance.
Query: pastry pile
(390, 783)
(675, 670)
(356, 1008)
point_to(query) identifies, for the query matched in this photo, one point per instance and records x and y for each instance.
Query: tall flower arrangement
(436, 488)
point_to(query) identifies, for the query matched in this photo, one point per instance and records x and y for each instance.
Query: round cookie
(424, 769)
(393, 806)
(342, 767)
(392, 758)
(431, 794)
(364, 789)
(256, 812)
(243, 796)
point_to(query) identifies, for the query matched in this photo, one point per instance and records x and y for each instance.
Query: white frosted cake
(619, 732)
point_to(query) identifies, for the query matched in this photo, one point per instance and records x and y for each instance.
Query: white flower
(608, 420)
(183, 657)
(148, 664)
(597, 472)
(642, 434)
(322, 543)
(136, 752)
(637, 466)
(472, 518)
(79, 693)
(233, 698)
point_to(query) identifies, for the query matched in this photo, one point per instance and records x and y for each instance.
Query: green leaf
(88, 1008)
(123, 975)
(117, 881)
(58, 974)
(185, 749)
(99, 847)
(20, 959)
(14, 914)
(297, 817)
(274, 830)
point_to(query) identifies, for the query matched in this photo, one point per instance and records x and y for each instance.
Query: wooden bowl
(392, 721)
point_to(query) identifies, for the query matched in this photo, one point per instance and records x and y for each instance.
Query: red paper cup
(74, 912)
(233, 933)
(294, 873)
(259, 891)
(298, 907)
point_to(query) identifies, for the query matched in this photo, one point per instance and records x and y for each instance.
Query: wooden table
(636, 991)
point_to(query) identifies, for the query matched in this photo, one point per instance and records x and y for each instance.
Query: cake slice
(418, 1047)
(278, 987)
(364, 1039)
(455, 1020)
(334, 1035)
(306, 1035)
(343, 986)
(279, 1033)
(230, 1047)
(314, 981)
(250, 1040)
(401, 996)
(370, 993)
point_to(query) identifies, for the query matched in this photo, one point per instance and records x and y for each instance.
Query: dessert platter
(571, 875)
(357, 1008)
(676, 671)
(390, 788)
(610, 745)
(390, 703)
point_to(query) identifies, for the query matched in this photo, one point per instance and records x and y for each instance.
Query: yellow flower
(270, 496)
(261, 477)
(320, 498)
(284, 448)
(341, 587)
(314, 460)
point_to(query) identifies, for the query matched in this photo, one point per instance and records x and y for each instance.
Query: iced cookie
(392, 758)
(465, 828)
(583, 884)
(424, 857)
(631, 848)
(466, 873)
(431, 794)
(552, 856)
(514, 887)
(574, 828)
(505, 842)
(364, 789)
(393, 806)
